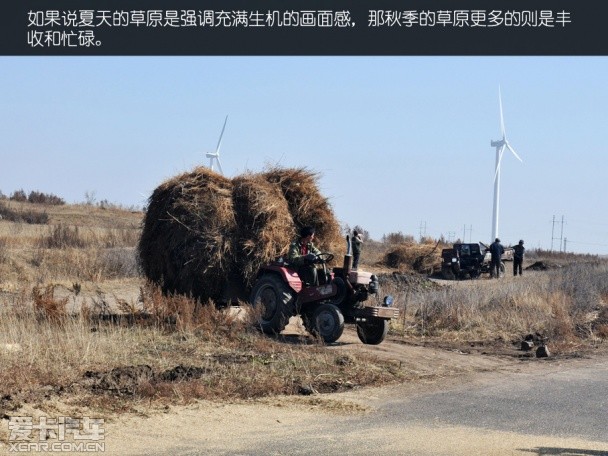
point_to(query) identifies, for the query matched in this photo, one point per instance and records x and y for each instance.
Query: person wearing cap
(496, 250)
(302, 254)
(518, 257)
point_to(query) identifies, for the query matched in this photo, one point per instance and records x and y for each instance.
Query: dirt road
(467, 405)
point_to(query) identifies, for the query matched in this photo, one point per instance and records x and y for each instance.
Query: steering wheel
(325, 257)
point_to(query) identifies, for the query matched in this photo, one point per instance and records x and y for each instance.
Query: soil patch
(408, 281)
(127, 380)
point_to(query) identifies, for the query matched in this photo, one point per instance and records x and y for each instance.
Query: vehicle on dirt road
(341, 297)
(470, 261)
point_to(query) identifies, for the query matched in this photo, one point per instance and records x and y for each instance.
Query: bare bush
(19, 195)
(46, 306)
(584, 284)
(118, 262)
(45, 198)
(29, 216)
(397, 238)
(3, 250)
(61, 237)
(123, 237)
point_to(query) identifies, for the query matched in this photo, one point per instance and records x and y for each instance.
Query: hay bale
(398, 257)
(308, 207)
(188, 237)
(265, 224)
(207, 236)
(423, 258)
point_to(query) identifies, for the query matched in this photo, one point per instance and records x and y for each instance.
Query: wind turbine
(216, 155)
(500, 146)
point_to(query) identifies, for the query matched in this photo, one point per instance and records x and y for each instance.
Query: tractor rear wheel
(275, 303)
(325, 321)
(373, 331)
(448, 273)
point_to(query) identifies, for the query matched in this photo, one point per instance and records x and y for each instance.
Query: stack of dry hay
(424, 258)
(207, 236)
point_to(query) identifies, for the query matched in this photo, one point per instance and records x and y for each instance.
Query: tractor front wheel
(325, 321)
(274, 302)
(373, 331)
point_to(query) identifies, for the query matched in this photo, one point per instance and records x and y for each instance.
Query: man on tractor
(302, 254)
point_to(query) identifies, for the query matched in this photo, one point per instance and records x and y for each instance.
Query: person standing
(518, 257)
(496, 250)
(356, 245)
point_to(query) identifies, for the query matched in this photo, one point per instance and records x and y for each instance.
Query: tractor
(341, 297)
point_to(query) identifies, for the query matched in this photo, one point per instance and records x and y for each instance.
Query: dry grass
(564, 305)
(170, 350)
(167, 348)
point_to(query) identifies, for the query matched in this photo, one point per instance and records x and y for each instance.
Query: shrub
(118, 262)
(3, 250)
(45, 198)
(61, 237)
(397, 238)
(31, 217)
(19, 195)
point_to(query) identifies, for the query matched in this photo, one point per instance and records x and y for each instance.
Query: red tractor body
(340, 297)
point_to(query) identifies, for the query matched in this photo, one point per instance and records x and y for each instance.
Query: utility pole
(565, 241)
(422, 230)
(561, 235)
(470, 233)
(552, 233)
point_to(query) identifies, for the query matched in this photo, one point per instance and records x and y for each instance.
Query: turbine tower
(500, 148)
(216, 155)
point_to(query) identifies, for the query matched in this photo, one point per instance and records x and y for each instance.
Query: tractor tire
(325, 321)
(373, 331)
(448, 274)
(274, 301)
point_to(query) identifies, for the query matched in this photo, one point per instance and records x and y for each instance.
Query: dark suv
(466, 260)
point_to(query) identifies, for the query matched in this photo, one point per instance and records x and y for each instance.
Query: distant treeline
(34, 197)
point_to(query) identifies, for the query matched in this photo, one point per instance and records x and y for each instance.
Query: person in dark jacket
(302, 254)
(496, 250)
(518, 257)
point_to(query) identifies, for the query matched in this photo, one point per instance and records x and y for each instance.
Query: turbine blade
(217, 149)
(219, 165)
(502, 121)
(514, 153)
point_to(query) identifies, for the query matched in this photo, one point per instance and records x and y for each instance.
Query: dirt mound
(541, 266)
(409, 281)
(205, 235)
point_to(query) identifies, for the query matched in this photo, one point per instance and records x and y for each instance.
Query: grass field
(62, 284)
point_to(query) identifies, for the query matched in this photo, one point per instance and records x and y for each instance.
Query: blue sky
(402, 143)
